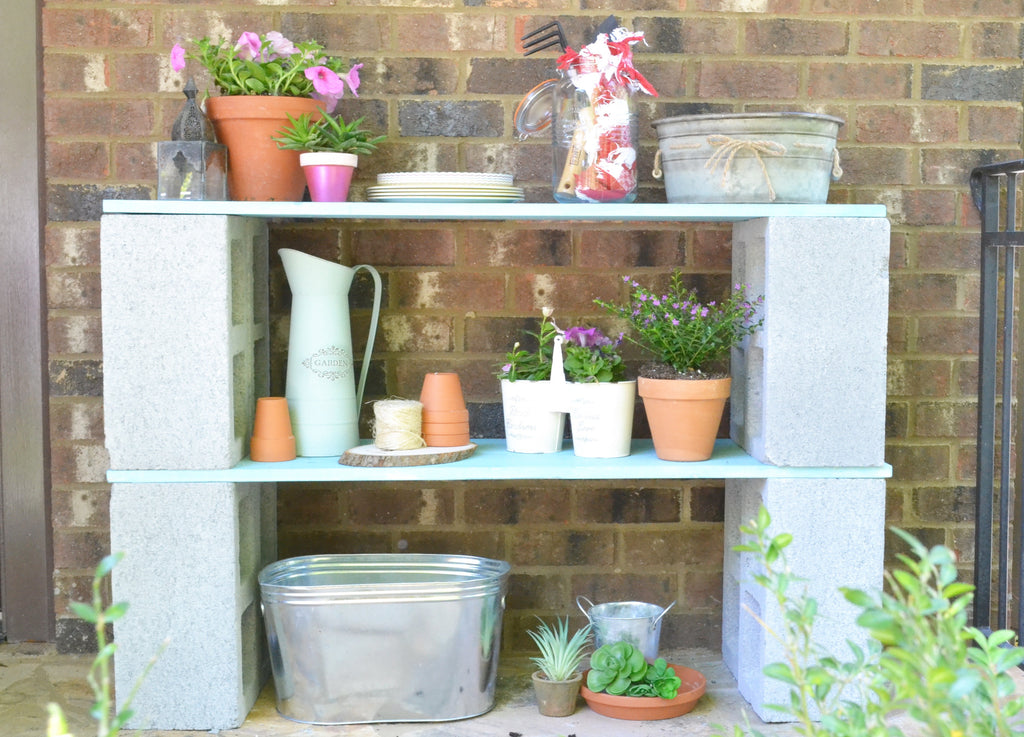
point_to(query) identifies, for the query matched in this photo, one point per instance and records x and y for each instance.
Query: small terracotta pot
(650, 708)
(445, 439)
(556, 698)
(442, 392)
(446, 417)
(272, 438)
(684, 415)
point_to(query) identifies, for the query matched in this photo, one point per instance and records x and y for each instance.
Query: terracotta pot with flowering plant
(601, 400)
(263, 79)
(685, 389)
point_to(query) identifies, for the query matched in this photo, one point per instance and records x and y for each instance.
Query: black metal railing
(996, 193)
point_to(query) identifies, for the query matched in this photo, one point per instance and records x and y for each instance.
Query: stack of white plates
(444, 186)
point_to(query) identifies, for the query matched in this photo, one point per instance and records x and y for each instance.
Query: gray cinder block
(183, 334)
(809, 388)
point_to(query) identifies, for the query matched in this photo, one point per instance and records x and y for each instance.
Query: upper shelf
(491, 461)
(549, 211)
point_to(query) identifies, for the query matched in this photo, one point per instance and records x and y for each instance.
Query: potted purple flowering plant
(264, 78)
(691, 341)
(601, 401)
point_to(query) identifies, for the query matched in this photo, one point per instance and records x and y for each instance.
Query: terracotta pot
(328, 174)
(257, 168)
(272, 438)
(684, 415)
(446, 417)
(556, 698)
(444, 436)
(442, 392)
(650, 708)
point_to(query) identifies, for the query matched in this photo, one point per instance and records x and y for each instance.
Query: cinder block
(809, 388)
(185, 345)
(192, 555)
(838, 526)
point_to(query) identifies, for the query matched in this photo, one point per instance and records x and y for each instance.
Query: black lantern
(191, 166)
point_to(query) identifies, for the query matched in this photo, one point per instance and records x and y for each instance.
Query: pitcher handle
(580, 605)
(372, 334)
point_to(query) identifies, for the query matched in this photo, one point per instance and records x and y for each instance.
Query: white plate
(426, 190)
(444, 198)
(447, 177)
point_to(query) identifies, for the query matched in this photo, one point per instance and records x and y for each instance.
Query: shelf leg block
(838, 526)
(192, 554)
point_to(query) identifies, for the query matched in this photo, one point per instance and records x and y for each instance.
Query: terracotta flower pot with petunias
(265, 80)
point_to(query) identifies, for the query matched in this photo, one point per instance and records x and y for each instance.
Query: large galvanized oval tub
(384, 638)
(748, 157)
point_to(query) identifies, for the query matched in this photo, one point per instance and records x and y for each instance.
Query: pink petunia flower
(248, 46)
(177, 58)
(279, 45)
(353, 78)
(328, 87)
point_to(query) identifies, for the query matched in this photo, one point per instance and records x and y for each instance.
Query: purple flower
(327, 85)
(177, 58)
(586, 337)
(249, 47)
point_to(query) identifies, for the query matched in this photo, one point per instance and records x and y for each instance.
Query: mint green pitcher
(323, 397)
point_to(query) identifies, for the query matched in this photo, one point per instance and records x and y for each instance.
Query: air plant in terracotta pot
(330, 151)
(557, 682)
(691, 341)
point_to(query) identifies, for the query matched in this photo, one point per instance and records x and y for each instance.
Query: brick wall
(928, 89)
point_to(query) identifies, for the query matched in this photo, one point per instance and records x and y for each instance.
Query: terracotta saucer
(649, 708)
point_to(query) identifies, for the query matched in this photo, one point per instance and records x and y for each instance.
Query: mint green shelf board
(645, 212)
(492, 462)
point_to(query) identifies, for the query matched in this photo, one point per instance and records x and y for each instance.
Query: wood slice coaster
(370, 456)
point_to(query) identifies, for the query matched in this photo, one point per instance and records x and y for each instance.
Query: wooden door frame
(26, 549)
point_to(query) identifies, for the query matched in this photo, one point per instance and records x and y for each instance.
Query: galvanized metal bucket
(634, 622)
(384, 638)
(748, 157)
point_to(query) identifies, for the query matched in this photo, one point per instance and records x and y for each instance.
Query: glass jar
(594, 135)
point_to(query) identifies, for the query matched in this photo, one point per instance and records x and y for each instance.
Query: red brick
(624, 249)
(876, 166)
(78, 117)
(929, 207)
(72, 245)
(994, 124)
(562, 292)
(516, 505)
(909, 39)
(995, 40)
(972, 8)
(451, 290)
(379, 505)
(902, 124)
(918, 378)
(948, 335)
(568, 547)
(747, 80)
(863, 7)
(415, 334)
(517, 248)
(860, 81)
(80, 549)
(81, 508)
(404, 247)
(690, 547)
(787, 36)
(136, 162)
(142, 74)
(767, 7)
(629, 506)
(343, 35)
(74, 334)
(711, 250)
(918, 462)
(76, 419)
(77, 160)
(68, 72)
(947, 420)
(311, 505)
(73, 289)
(97, 27)
(918, 293)
(422, 33)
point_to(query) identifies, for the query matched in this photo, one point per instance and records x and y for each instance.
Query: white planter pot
(329, 158)
(533, 423)
(601, 416)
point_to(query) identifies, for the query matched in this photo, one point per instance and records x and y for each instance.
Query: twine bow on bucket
(726, 149)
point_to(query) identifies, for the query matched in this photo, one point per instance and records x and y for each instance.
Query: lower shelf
(492, 462)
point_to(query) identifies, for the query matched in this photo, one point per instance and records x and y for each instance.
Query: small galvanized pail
(748, 157)
(634, 622)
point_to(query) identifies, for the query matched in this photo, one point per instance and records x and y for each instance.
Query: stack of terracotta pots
(445, 417)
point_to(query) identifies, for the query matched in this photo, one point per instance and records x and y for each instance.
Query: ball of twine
(398, 424)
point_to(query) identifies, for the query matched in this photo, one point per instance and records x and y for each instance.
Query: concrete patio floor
(33, 674)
